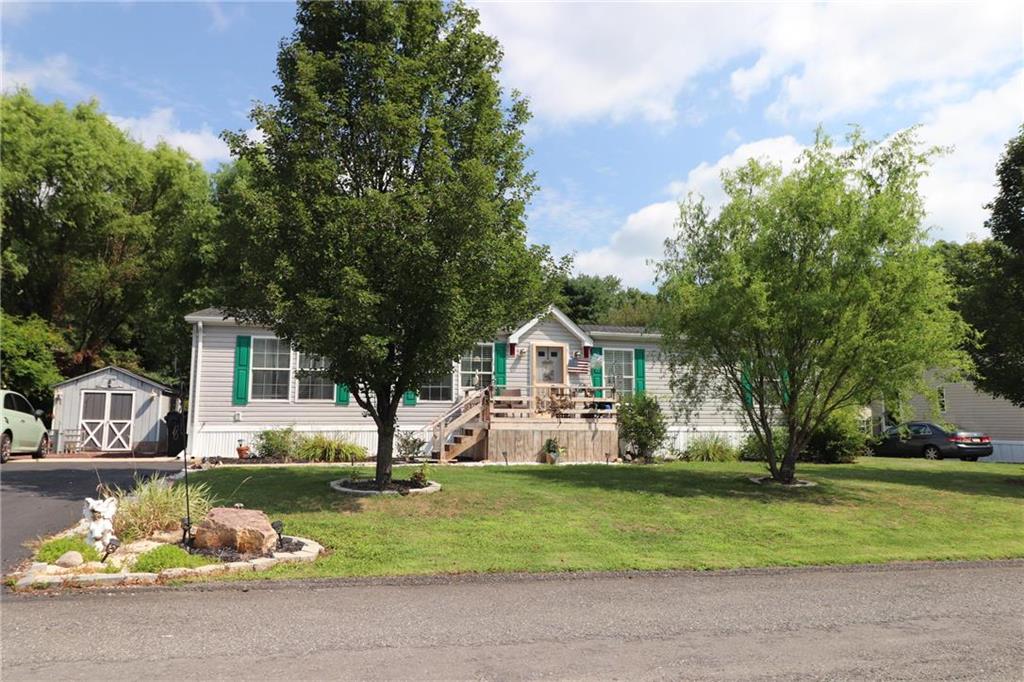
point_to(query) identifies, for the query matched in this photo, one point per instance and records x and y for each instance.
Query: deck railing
(559, 401)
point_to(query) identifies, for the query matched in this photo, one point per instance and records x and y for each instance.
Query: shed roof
(122, 370)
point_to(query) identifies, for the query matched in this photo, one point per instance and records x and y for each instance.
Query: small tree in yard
(642, 424)
(379, 221)
(811, 291)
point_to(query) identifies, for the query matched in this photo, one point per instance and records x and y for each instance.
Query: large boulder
(247, 531)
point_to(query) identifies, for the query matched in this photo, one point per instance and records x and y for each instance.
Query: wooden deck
(522, 440)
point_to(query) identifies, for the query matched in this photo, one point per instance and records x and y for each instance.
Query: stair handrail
(437, 427)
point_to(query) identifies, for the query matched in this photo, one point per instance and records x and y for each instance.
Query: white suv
(21, 427)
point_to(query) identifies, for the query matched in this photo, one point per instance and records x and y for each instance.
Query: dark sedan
(924, 439)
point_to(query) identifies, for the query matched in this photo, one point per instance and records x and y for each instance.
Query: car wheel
(44, 446)
(5, 448)
(932, 452)
(969, 459)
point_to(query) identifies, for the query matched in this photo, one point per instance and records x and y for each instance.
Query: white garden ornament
(100, 515)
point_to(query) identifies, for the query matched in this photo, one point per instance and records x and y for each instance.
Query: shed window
(618, 370)
(312, 380)
(437, 388)
(271, 363)
(476, 369)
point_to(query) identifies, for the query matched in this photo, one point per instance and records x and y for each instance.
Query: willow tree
(378, 221)
(810, 291)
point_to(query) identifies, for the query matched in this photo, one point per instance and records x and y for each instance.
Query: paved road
(43, 497)
(949, 622)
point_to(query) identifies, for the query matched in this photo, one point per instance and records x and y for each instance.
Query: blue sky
(635, 104)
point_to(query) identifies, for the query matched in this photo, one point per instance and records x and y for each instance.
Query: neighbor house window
(312, 380)
(476, 370)
(618, 370)
(271, 367)
(437, 388)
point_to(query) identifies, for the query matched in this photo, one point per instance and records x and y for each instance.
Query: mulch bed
(370, 485)
(228, 555)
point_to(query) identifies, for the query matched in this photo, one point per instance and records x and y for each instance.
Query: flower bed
(369, 487)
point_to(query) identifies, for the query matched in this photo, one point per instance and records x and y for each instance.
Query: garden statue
(100, 515)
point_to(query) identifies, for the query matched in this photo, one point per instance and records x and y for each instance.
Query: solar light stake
(278, 527)
(504, 453)
(111, 548)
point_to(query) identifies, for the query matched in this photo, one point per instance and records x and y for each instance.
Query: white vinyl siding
(310, 381)
(618, 370)
(271, 369)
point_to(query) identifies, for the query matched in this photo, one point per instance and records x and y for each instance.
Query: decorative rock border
(339, 486)
(767, 480)
(39, 577)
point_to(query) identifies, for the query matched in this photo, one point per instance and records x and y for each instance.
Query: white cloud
(56, 74)
(580, 61)
(161, 125)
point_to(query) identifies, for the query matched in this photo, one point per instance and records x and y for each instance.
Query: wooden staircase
(461, 428)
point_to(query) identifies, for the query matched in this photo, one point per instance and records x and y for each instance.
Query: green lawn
(681, 515)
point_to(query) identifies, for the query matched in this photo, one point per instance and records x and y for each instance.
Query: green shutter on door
(340, 394)
(243, 358)
(500, 364)
(409, 398)
(596, 370)
(639, 370)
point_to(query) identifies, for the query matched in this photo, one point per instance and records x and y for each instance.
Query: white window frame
(453, 377)
(295, 381)
(252, 368)
(606, 375)
(105, 423)
(460, 373)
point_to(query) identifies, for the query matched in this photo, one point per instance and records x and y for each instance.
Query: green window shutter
(500, 364)
(340, 394)
(748, 389)
(784, 383)
(243, 359)
(409, 398)
(639, 370)
(596, 371)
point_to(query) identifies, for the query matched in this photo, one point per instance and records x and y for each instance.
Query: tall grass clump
(712, 448)
(153, 505)
(321, 448)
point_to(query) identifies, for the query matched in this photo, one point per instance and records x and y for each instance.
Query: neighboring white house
(244, 380)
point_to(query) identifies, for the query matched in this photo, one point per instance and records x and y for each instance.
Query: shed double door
(106, 420)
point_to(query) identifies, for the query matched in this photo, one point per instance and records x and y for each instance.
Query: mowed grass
(604, 518)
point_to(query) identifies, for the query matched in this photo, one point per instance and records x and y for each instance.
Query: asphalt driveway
(916, 622)
(42, 497)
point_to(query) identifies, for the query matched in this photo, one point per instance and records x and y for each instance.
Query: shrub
(154, 505)
(712, 448)
(409, 445)
(276, 443)
(321, 448)
(839, 440)
(750, 449)
(642, 424)
(51, 550)
(419, 477)
(169, 556)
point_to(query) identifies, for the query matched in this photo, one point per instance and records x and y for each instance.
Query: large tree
(378, 223)
(102, 238)
(811, 291)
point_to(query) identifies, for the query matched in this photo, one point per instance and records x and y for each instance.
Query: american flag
(579, 365)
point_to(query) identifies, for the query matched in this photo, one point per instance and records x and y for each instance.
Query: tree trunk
(385, 449)
(787, 472)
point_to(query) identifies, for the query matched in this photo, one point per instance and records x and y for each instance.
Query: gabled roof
(122, 370)
(554, 312)
(208, 315)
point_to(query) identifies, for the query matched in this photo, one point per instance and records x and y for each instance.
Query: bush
(154, 505)
(51, 550)
(276, 443)
(409, 445)
(642, 425)
(750, 449)
(169, 556)
(839, 440)
(420, 477)
(712, 448)
(321, 448)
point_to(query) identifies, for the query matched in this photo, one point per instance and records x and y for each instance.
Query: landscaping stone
(168, 537)
(247, 531)
(175, 573)
(96, 578)
(33, 581)
(94, 566)
(344, 486)
(236, 566)
(263, 563)
(70, 559)
(140, 578)
(209, 569)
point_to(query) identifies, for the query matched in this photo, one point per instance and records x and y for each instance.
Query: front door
(550, 365)
(106, 421)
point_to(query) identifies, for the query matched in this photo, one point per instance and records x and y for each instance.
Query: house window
(312, 380)
(618, 370)
(942, 400)
(437, 388)
(476, 369)
(271, 367)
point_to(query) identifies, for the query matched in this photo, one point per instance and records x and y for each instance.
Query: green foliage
(321, 448)
(169, 556)
(750, 449)
(51, 550)
(153, 505)
(840, 439)
(810, 292)
(103, 238)
(420, 478)
(551, 447)
(276, 443)
(589, 299)
(31, 347)
(409, 444)
(642, 424)
(393, 161)
(712, 448)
